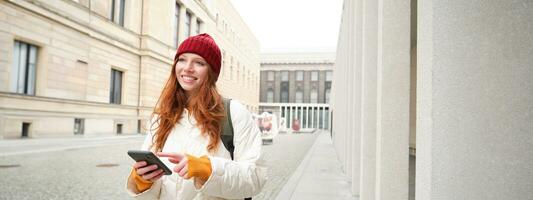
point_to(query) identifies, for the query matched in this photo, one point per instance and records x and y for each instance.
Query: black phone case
(150, 159)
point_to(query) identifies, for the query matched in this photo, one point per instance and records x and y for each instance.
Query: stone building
(297, 85)
(97, 67)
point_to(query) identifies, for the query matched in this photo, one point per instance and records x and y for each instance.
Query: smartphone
(150, 159)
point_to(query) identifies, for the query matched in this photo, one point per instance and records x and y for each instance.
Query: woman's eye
(181, 60)
(200, 63)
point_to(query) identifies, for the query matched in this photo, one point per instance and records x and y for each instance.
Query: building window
(187, 24)
(284, 76)
(314, 76)
(299, 96)
(117, 11)
(177, 25)
(285, 92)
(139, 126)
(115, 91)
(270, 75)
(25, 129)
(329, 75)
(299, 75)
(24, 68)
(79, 126)
(314, 96)
(198, 27)
(270, 95)
(119, 128)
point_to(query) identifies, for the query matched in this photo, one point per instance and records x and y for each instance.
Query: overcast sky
(292, 25)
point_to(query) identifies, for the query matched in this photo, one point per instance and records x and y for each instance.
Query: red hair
(206, 106)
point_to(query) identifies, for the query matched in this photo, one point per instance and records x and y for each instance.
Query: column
(301, 116)
(369, 93)
(474, 111)
(393, 75)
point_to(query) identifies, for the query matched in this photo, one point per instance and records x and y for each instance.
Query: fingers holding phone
(148, 172)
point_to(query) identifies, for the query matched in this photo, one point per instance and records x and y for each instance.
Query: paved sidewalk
(319, 175)
(11, 147)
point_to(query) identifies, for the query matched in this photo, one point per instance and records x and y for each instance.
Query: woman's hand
(181, 161)
(149, 173)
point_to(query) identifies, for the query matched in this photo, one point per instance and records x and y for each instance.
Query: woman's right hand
(149, 173)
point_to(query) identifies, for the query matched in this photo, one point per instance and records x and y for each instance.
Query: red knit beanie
(204, 46)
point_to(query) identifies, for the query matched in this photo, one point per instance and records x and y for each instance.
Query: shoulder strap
(227, 128)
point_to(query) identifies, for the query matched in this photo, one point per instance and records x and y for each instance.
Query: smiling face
(191, 71)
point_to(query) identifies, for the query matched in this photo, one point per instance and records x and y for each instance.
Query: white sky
(292, 25)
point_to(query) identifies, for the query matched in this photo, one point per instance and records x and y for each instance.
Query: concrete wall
(475, 95)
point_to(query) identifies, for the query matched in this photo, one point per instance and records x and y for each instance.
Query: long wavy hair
(205, 105)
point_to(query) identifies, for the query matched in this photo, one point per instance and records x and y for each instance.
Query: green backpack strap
(227, 128)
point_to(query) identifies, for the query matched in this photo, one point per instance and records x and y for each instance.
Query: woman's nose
(188, 66)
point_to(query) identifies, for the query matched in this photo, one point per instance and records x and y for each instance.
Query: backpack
(227, 131)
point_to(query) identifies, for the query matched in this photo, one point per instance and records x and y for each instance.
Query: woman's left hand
(180, 160)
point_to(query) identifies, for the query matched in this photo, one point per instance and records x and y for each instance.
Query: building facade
(447, 81)
(297, 86)
(97, 67)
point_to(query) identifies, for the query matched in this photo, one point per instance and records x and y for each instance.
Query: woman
(187, 121)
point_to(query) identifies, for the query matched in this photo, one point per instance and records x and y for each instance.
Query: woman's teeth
(188, 78)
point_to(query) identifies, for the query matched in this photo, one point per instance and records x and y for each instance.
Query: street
(96, 168)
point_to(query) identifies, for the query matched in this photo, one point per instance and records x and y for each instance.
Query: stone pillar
(474, 100)
(369, 93)
(393, 69)
(356, 53)
(301, 115)
(307, 117)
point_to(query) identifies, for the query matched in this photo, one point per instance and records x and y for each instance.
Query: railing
(310, 116)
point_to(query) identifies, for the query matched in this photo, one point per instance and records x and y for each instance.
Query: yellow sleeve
(140, 183)
(199, 167)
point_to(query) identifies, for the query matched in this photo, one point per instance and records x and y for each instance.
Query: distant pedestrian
(186, 129)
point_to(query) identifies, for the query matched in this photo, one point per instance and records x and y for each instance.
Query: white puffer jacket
(230, 179)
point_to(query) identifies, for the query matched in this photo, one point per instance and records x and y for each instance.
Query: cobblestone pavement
(100, 171)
